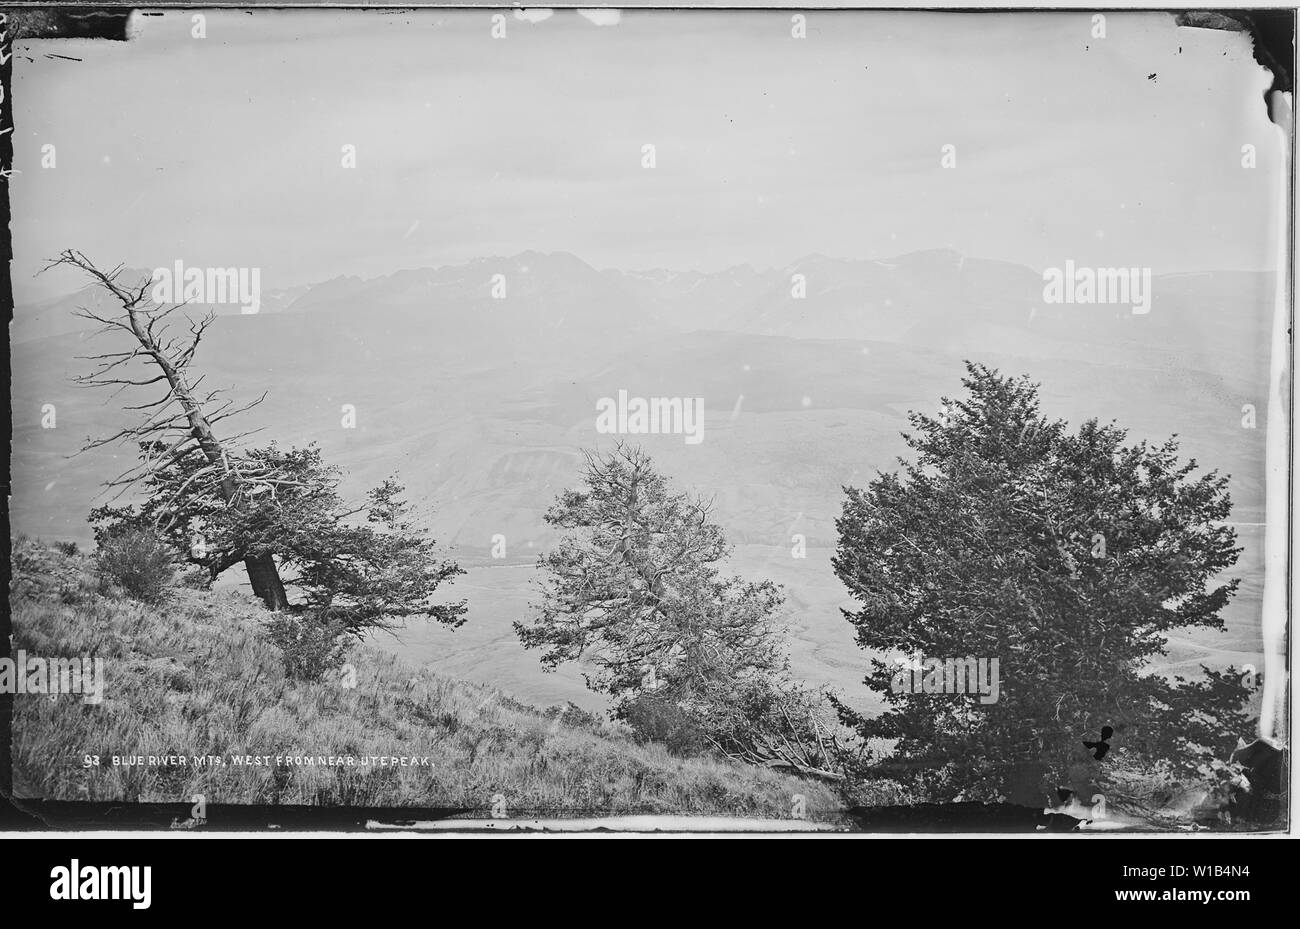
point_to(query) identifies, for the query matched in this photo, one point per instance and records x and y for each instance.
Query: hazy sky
(226, 150)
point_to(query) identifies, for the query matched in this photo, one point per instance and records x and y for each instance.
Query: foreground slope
(194, 677)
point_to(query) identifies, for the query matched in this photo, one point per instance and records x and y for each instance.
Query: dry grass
(194, 676)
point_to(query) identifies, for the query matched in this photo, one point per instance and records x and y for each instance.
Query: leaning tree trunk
(265, 578)
(263, 574)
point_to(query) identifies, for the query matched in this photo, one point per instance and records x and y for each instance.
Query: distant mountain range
(482, 405)
(936, 299)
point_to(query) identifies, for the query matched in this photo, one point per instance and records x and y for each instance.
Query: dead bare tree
(181, 419)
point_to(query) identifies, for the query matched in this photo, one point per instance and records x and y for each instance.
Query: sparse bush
(517, 706)
(310, 647)
(39, 570)
(139, 562)
(67, 548)
(575, 717)
(654, 718)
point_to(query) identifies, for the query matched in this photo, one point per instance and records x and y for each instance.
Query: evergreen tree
(1066, 556)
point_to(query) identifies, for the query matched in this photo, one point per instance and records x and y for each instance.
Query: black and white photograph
(520, 421)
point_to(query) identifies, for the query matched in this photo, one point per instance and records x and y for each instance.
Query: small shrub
(67, 548)
(309, 646)
(575, 717)
(40, 571)
(510, 703)
(657, 719)
(139, 562)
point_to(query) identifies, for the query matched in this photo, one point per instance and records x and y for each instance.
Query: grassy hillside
(194, 676)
